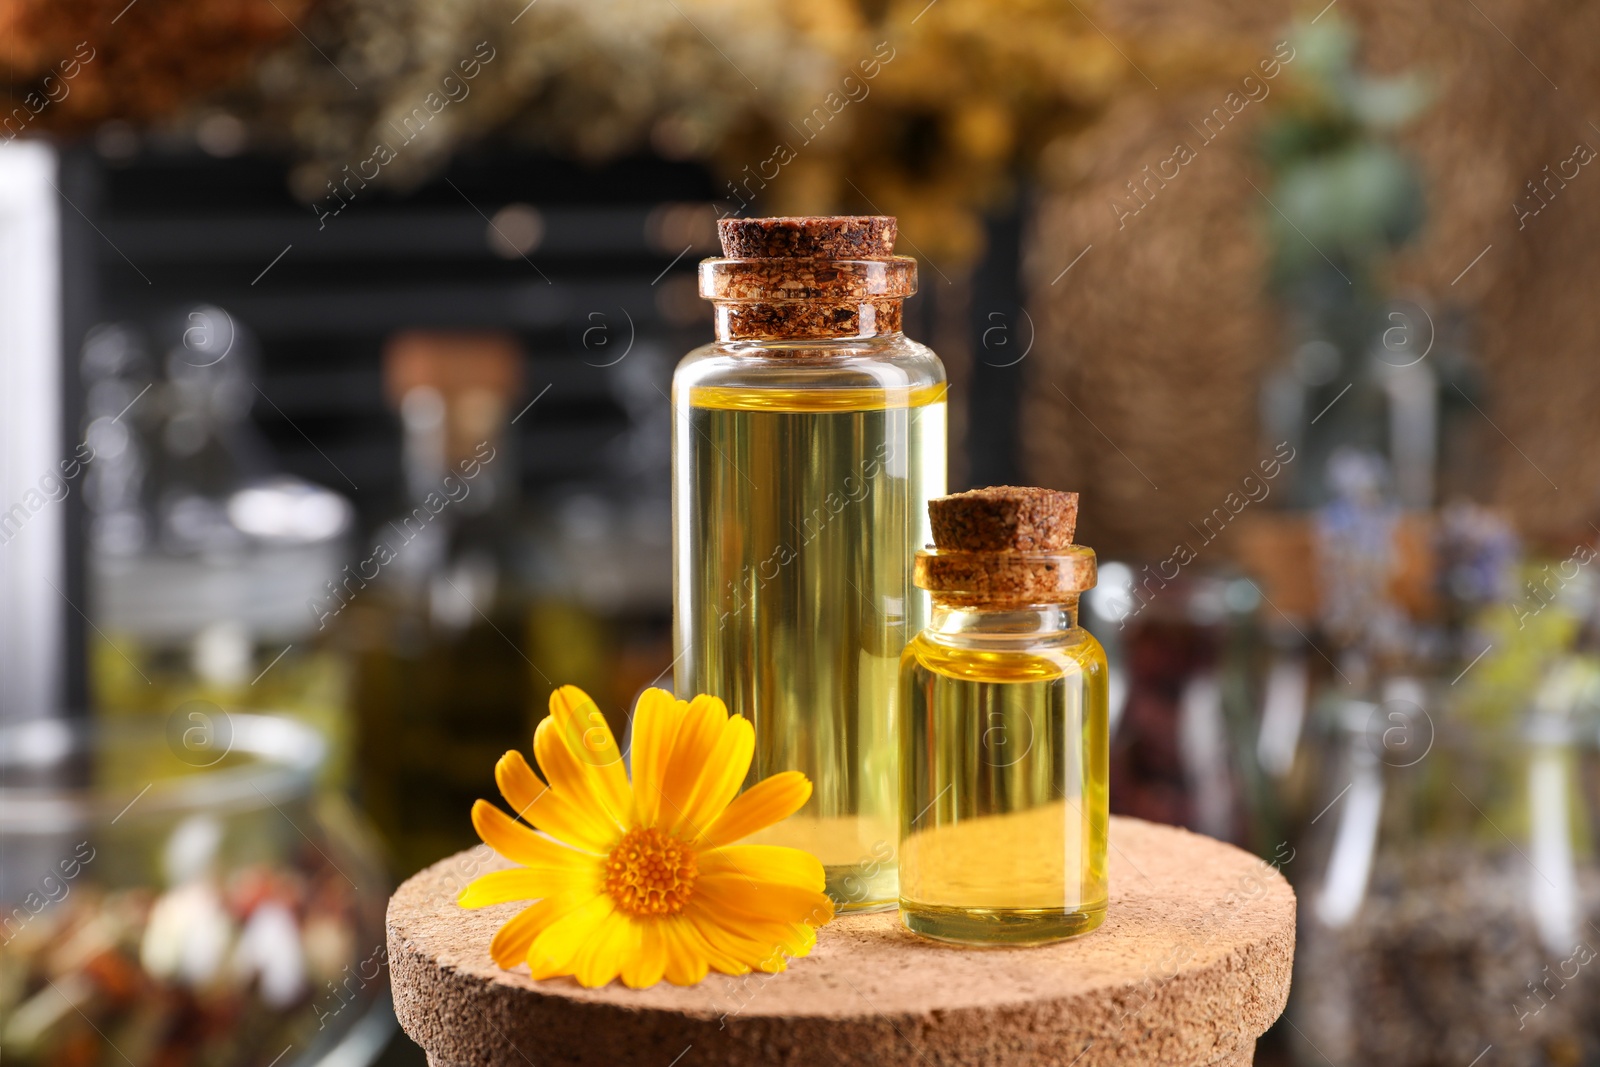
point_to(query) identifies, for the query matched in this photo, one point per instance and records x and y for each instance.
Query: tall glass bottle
(436, 602)
(807, 441)
(1004, 750)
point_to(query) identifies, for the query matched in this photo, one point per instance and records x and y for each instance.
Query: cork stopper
(808, 278)
(809, 237)
(451, 362)
(458, 384)
(1005, 545)
(1004, 518)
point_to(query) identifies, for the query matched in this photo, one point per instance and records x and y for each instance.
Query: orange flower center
(650, 873)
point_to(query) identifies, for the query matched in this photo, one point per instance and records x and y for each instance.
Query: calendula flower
(644, 879)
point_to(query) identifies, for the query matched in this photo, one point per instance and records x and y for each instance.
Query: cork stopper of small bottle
(1004, 518)
(805, 277)
(1005, 545)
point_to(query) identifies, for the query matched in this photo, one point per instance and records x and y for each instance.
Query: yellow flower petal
(738, 899)
(656, 718)
(647, 966)
(555, 949)
(551, 811)
(686, 962)
(806, 935)
(521, 883)
(766, 863)
(518, 783)
(575, 781)
(769, 801)
(521, 845)
(770, 939)
(753, 938)
(600, 960)
(512, 941)
(587, 736)
(748, 953)
(720, 778)
(703, 721)
(695, 946)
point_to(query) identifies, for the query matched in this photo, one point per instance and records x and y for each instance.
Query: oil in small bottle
(1004, 748)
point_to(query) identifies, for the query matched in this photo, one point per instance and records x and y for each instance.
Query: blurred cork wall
(1143, 389)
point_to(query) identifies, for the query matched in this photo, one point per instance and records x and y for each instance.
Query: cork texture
(808, 236)
(813, 319)
(788, 279)
(807, 279)
(1191, 966)
(1004, 518)
(997, 579)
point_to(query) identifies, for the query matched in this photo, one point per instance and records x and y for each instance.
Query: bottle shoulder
(894, 362)
(1031, 657)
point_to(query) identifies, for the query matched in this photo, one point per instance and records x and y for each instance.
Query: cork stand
(1190, 968)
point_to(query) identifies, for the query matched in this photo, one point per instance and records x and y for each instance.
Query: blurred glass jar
(1186, 658)
(205, 563)
(182, 896)
(1450, 890)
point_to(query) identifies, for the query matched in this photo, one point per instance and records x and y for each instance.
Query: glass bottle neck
(1022, 621)
(455, 450)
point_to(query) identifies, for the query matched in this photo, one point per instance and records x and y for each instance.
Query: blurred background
(335, 341)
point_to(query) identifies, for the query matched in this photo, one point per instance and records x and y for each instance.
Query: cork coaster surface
(1190, 967)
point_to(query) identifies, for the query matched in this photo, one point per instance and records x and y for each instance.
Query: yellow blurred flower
(644, 879)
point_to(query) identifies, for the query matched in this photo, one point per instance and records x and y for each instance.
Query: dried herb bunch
(924, 111)
(928, 111)
(70, 64)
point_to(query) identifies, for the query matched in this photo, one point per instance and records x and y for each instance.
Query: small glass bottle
(1003, 728)
(807, 442)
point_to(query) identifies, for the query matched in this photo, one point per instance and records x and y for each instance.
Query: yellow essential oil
(799, 536)
(1004, 806)
(806, 444)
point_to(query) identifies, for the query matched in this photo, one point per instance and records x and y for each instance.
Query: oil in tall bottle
(807, 441)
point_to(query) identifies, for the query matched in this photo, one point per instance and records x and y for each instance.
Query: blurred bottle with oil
(201, 554)
(466, 608)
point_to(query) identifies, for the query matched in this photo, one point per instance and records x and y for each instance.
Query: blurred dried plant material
(1161, 332)
(929, 112)
(1153, 317)
(1279, 550)
(70, 64)
(1447, 935)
